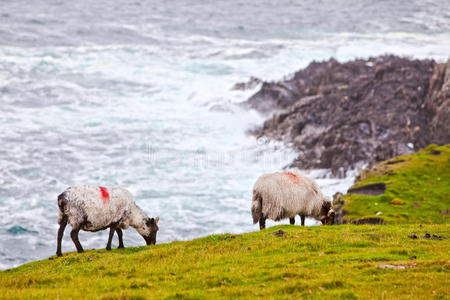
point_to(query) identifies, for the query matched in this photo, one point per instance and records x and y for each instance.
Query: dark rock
(413, 257)
(392, 162)
(250, 84)
(341, 115)
(338, 207)
(437, 104)
(279, 233)
(373, 189)
(369, 220)
(428, 237)
(338, 198)
(228, 237)
(435, 152)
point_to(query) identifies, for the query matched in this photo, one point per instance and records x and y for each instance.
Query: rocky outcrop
(338, 115)
(250, 84)
(438, 103)
(398, 190)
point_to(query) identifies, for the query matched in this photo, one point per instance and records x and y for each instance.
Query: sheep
(93, 208)
(284, 195)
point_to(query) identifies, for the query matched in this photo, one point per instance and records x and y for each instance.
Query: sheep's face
(151, 230)
(329, 219)
(327, 214)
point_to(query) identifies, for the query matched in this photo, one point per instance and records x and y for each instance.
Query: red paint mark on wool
(105, 195)
(293, 177)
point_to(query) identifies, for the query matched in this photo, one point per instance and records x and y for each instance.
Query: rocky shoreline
(343, 115)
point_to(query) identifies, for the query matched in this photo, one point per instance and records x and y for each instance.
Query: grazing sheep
(93, 208)
(284, 195)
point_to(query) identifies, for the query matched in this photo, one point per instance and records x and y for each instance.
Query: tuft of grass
(305, 262)
(417, 189)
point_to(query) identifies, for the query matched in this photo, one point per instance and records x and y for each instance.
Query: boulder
(343, 115)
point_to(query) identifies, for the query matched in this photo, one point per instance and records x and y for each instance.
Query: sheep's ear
(156, 220)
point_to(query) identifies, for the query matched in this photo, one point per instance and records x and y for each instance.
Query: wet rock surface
(250, 84)
(339, 115)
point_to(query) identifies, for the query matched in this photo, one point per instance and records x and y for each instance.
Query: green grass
(320, 262)
(418, 189)
(334, 262)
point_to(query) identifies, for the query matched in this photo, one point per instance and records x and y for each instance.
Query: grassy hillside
(346, 261)
(417, 189)
(408, 258)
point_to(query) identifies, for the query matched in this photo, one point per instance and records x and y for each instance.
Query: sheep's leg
(74, 236)
(112, 228)
(62, 226)
(292, 221)
(303, 219)
(262, 223)
(119, 234)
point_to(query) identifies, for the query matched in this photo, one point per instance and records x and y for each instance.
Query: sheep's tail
(256, 206)
(62, 201)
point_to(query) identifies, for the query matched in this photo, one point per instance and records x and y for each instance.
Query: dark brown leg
(303, 219)
(62, 226)
(74, 236)
(119, 234)
(112, 228)
(262, 223)
(292, 221)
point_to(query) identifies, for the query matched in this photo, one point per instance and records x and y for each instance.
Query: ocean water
(139, 94)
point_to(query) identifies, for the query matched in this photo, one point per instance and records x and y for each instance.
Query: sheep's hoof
(108, 248)
(58, 254)
(121, 247)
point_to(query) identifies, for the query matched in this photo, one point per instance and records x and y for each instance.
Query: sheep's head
(151, 230)
(327, 213)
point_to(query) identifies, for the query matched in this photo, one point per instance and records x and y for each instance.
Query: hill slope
(328, 261)
(407, 258)
(417, 190)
